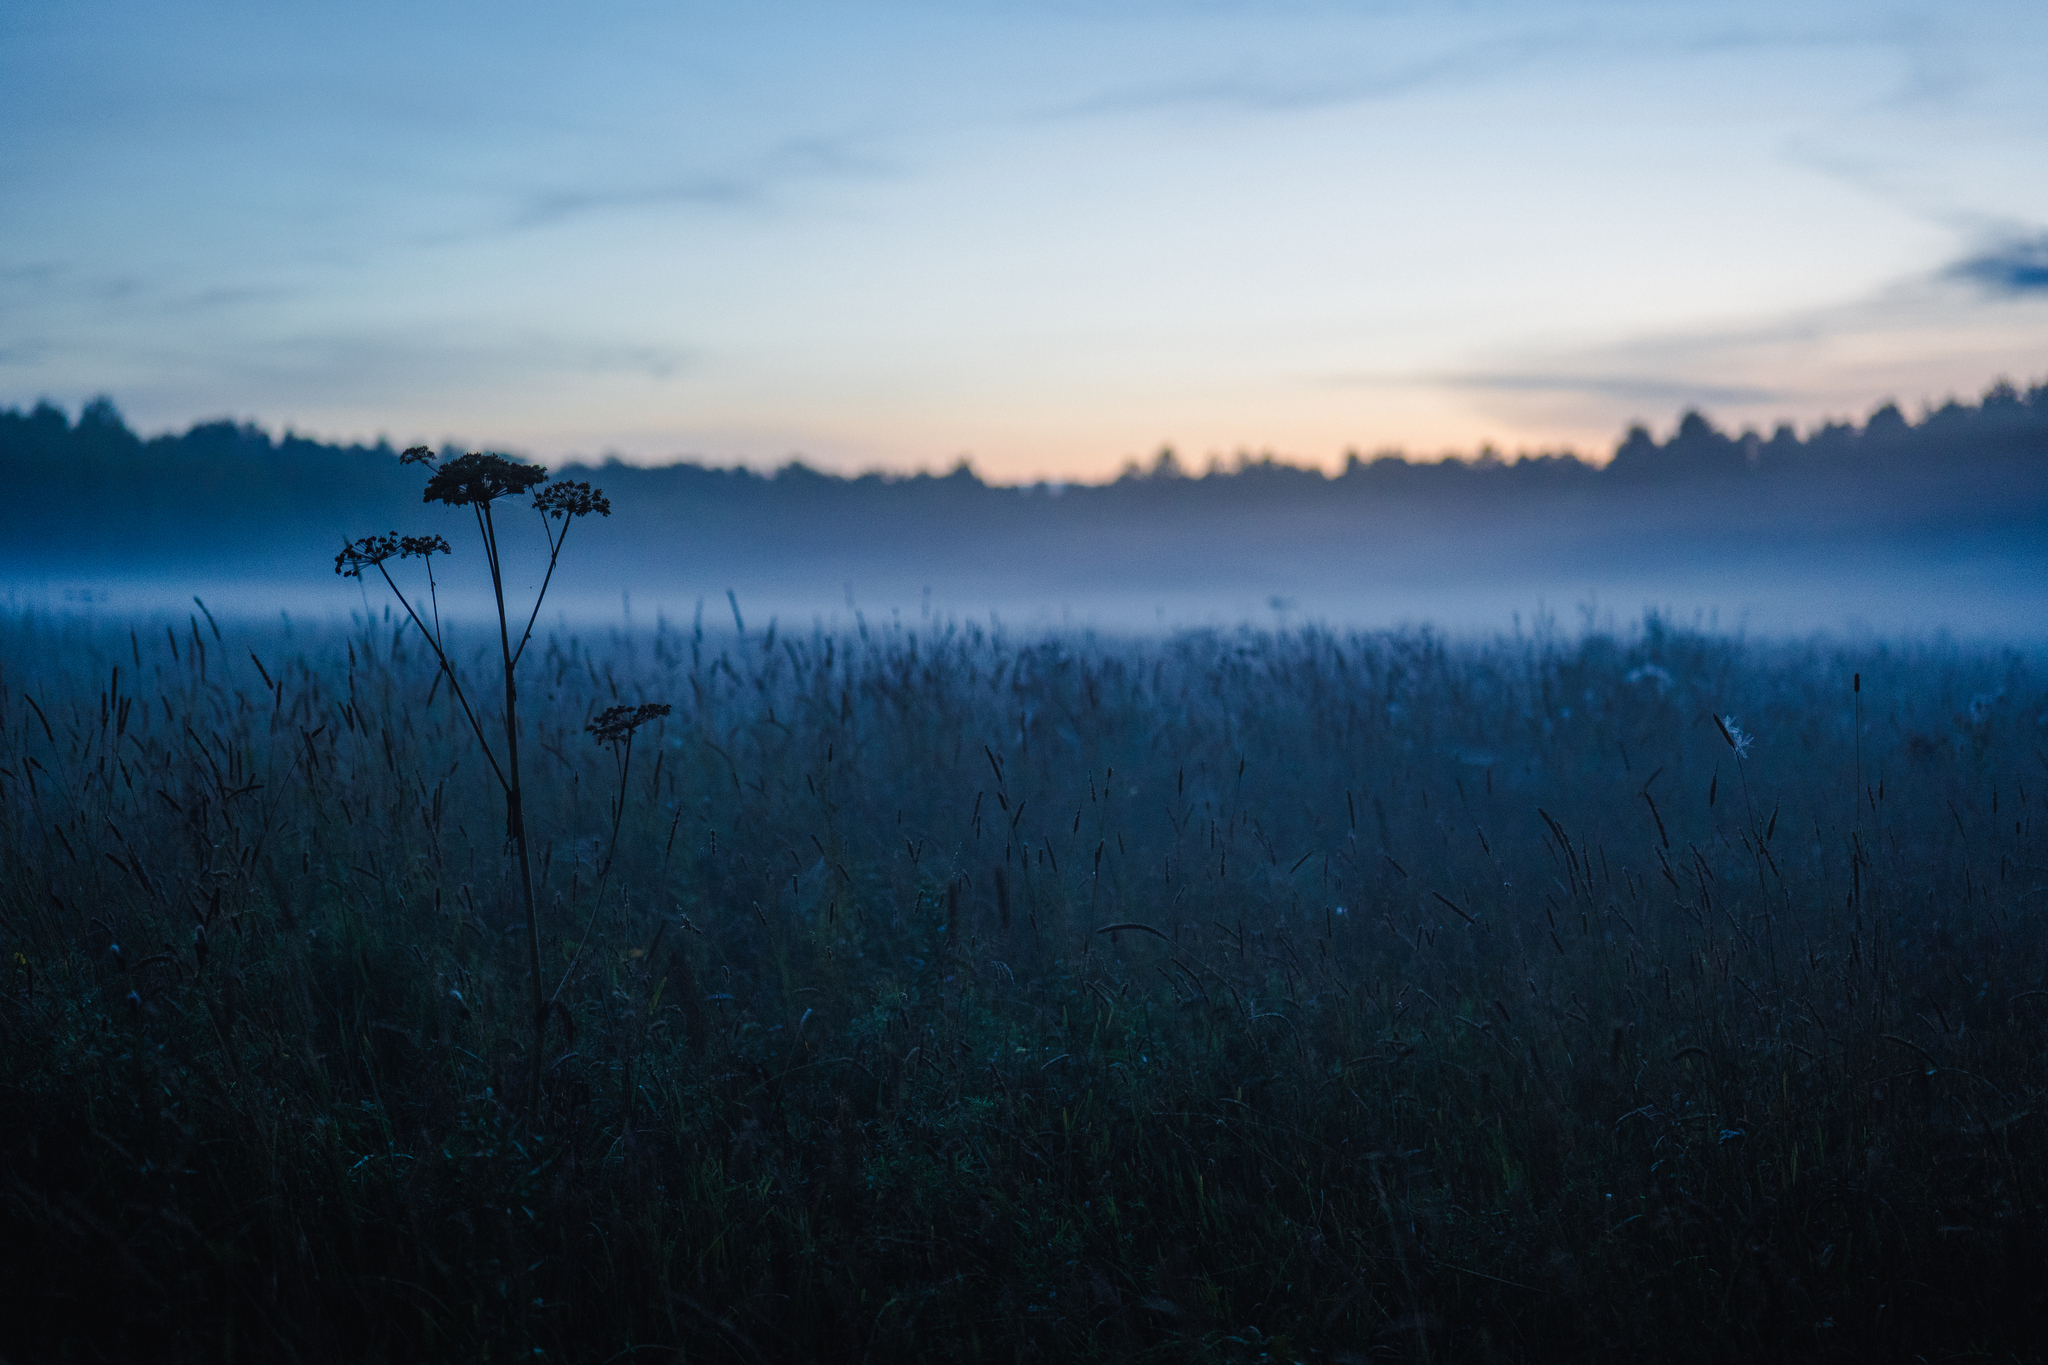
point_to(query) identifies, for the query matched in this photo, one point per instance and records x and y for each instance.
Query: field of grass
(932, 994)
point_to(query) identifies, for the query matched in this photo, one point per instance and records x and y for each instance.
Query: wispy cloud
(1919, 338)
(1661, 390)
(36, 272)
(750, 184)
(1276, 92)
(24, 351)
(1519, 42)
(368, 370)
(42, 282)
(411, 361)
(2017, 266)
(223, 296)
(66, 284)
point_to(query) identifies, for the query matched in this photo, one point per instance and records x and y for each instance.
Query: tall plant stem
(475, 481)
(604, 874)
(515, 812)
(446, 665)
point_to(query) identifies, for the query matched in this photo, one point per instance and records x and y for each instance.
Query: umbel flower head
(568, 499)
(475, 478)
(616, 724)
(370, 551)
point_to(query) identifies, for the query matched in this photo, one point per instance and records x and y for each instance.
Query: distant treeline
(91, 489)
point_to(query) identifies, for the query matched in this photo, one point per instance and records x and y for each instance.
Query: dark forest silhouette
(231, 498)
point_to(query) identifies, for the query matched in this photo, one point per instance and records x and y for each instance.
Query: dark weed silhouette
(477, 481)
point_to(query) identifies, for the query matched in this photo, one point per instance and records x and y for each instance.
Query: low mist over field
(1938, 522)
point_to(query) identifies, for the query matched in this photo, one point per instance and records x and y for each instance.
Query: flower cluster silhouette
(475, 479)
(616, 724)
(370, 551)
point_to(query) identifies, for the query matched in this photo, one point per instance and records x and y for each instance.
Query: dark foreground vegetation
(947, 996)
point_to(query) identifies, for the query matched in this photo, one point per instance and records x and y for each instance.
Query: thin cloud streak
(2010, 269)
(1665, 391)
(1920, 340)
(423, 363)
(62, 285)
(1282, 95)
(754, 185)
(1583, 40)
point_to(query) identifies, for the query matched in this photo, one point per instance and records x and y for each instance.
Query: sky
(1047, 237)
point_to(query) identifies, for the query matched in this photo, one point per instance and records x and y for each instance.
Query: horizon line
(1165, 460)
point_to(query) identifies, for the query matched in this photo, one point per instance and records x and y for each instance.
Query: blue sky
(1047, 236)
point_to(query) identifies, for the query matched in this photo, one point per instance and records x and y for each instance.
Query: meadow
(924, 992)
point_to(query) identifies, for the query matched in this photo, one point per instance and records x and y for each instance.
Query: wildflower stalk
(477, 481)
(614, 729)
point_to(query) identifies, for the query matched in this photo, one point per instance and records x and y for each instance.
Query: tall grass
(938, 994)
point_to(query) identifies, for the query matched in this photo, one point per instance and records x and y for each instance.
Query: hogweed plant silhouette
(478, 481)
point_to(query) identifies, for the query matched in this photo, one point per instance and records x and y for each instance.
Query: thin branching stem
(515, 811)
(447, 667)
(603, 875)
(555, 544)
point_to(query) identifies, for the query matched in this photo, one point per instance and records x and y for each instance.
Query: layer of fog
(1986, 588)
